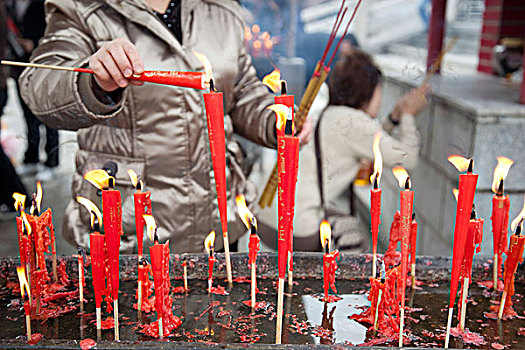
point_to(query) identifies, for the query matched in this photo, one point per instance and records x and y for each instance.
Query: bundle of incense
(466, 192)
(312, 89)
(194, 80)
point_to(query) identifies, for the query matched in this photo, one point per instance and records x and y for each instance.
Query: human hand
(412, 103)
(27, 44)
(114, 63)
(305, 135)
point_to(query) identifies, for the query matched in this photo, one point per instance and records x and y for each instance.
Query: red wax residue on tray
(497, 346)
(332, 299)
(170, 323)
(259, 305)
(179, 290)
(108, 323)
(242, 279)
(35, 338)
(521, 331)
(468, 336)
(218, 290)
(87, 344)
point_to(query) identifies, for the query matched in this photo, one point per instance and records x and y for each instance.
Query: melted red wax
(218, 290)
(62, 274)
(108, 323)
(169, 323)
(490, 285)
(259, 305)
(35, 338)
(148, 305)
(497, 346)
(332, 299)
(468, 337)
(179, 290)
(382, 340)
(521, 331)
(87, 344)
(242, 279)
(249, 338)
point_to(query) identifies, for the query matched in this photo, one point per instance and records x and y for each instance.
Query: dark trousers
(9, 180)
(33, 138)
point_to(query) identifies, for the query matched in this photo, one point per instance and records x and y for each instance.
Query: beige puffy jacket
(158, 131)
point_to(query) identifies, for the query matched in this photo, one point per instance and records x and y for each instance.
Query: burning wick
(284, 90)
(212, 86)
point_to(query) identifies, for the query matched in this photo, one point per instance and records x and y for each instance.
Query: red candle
(213, 101)
(514, 257)
(160, 265)
(329, 260)
(193, 80)
(500, 215)
(405, 227)
(466, 191)
(112, 211)
(208, 245)
(142, 201)
(375, 198)
(413, 246)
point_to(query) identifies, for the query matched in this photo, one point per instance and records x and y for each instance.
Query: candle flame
(518, 218)
(501, 171)
(24, 285)
(206, 63)
(38, 198)
(209, 241)
(20, 200)
(282, 112)
(325, 233)
(256, 29)
(139, 185)
(455, 191)
(273, 80)
(151, 226)
(245, 213)
(461, 163)
(93, 210)
(378, 158)
(26, 223)
(401, 175)
(98, 178)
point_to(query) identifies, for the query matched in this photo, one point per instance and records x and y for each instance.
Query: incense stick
(253, 285)
(449, 324)
(99, 318)
(227, 256)
(344, 34)
(435, 66)
(279, 323)
(115, 317)
(464, 303)
(502, 304)
(28, 327)
(495, 273)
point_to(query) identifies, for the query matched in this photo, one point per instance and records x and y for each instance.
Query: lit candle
(329, 260)
(81, 279)
(213, 103)
(23, 230)
(97, 247)
(253, 244)
(466, 192)
(405, 226)
(514, 257)
(287, 160)
(185, 274)
(112, 209)
(500, 216)
(381, 287)
(142, 201)
(208, 245)
(159, 254)
(375, 198)
(25, 291)
(143, 285)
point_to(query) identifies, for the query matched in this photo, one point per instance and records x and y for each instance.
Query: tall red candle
(112, 211)
(213, 101)
(500, 215)
(97, 249)
(159, 253)
(466, 192)
(375, 198)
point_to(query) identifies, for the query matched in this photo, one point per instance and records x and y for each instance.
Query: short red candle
(112, 211)
(97, 250)
(329, 269)
(253, 248)
(405, 227)
(472, 245)
(211, 262)
(159, 260)
(142, 206)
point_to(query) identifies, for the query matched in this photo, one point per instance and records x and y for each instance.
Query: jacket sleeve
(248, 111)
(64, 100)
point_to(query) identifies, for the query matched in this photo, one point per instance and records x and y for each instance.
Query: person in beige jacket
(346, 132)
(158, 131)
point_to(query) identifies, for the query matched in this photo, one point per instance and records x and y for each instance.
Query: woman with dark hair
(344, 135)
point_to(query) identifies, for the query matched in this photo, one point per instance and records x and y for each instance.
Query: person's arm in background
(73, 101)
